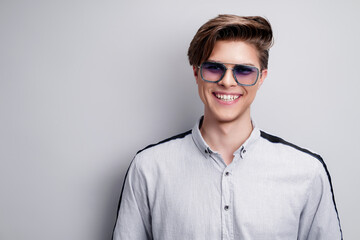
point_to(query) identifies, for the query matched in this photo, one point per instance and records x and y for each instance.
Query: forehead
(234, 51)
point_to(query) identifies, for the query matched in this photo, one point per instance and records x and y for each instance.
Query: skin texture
(227, 125)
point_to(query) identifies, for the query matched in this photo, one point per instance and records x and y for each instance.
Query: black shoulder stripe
(275, 139)
(181, 135)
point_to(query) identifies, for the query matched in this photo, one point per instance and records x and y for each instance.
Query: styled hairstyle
(253, 30)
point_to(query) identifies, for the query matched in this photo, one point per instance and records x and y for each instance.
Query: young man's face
(226, 101)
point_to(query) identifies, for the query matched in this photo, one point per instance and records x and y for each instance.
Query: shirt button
(244, 151)
(226, 207)
(227, 174)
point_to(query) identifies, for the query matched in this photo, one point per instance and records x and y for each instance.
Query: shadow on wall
(110, 207)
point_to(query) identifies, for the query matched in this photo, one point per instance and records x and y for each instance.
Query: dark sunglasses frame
(233, 71)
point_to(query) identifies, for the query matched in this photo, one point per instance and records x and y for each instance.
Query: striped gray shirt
(181, 189)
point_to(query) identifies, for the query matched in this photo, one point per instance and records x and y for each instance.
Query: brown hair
(253, 30)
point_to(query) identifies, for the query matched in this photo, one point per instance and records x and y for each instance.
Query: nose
(228, 80)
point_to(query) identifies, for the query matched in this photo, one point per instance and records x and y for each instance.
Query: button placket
(227, 195)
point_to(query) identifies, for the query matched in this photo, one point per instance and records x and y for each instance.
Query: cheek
(203, 91)
(251, 93)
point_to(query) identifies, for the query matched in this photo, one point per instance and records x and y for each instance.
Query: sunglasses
(244, 75)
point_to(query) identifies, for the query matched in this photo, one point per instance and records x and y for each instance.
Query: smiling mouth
(226, 97)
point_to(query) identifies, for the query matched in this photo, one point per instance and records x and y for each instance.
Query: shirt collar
(206, 150)
(199, 140)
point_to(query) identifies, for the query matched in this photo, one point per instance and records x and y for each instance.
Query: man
(226, 179)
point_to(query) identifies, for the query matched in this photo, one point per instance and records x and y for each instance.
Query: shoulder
(278, 147)
(165, 143)
(278, 142)
(167, 150)
(295, 159)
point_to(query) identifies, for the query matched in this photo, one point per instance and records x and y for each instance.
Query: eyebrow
(247, 64)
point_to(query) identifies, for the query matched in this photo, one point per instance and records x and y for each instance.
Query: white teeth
(227, 97)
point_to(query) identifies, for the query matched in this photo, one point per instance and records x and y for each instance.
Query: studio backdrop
(86, 84)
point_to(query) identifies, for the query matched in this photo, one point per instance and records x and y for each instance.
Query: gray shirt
(181, 189)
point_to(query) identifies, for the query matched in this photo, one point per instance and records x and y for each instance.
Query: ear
(196, 73)
(262, 78)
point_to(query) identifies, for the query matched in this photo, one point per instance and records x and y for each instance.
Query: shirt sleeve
(134, 221)
(319, 219)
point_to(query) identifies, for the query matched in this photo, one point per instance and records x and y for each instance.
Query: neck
(226, 137)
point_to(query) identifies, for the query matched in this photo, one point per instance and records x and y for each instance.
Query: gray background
(85, 84)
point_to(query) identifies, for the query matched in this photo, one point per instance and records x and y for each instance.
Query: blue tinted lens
(246, 75)
(211, 71)
(241, 70)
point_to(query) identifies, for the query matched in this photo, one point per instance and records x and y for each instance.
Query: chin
(228, 117)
